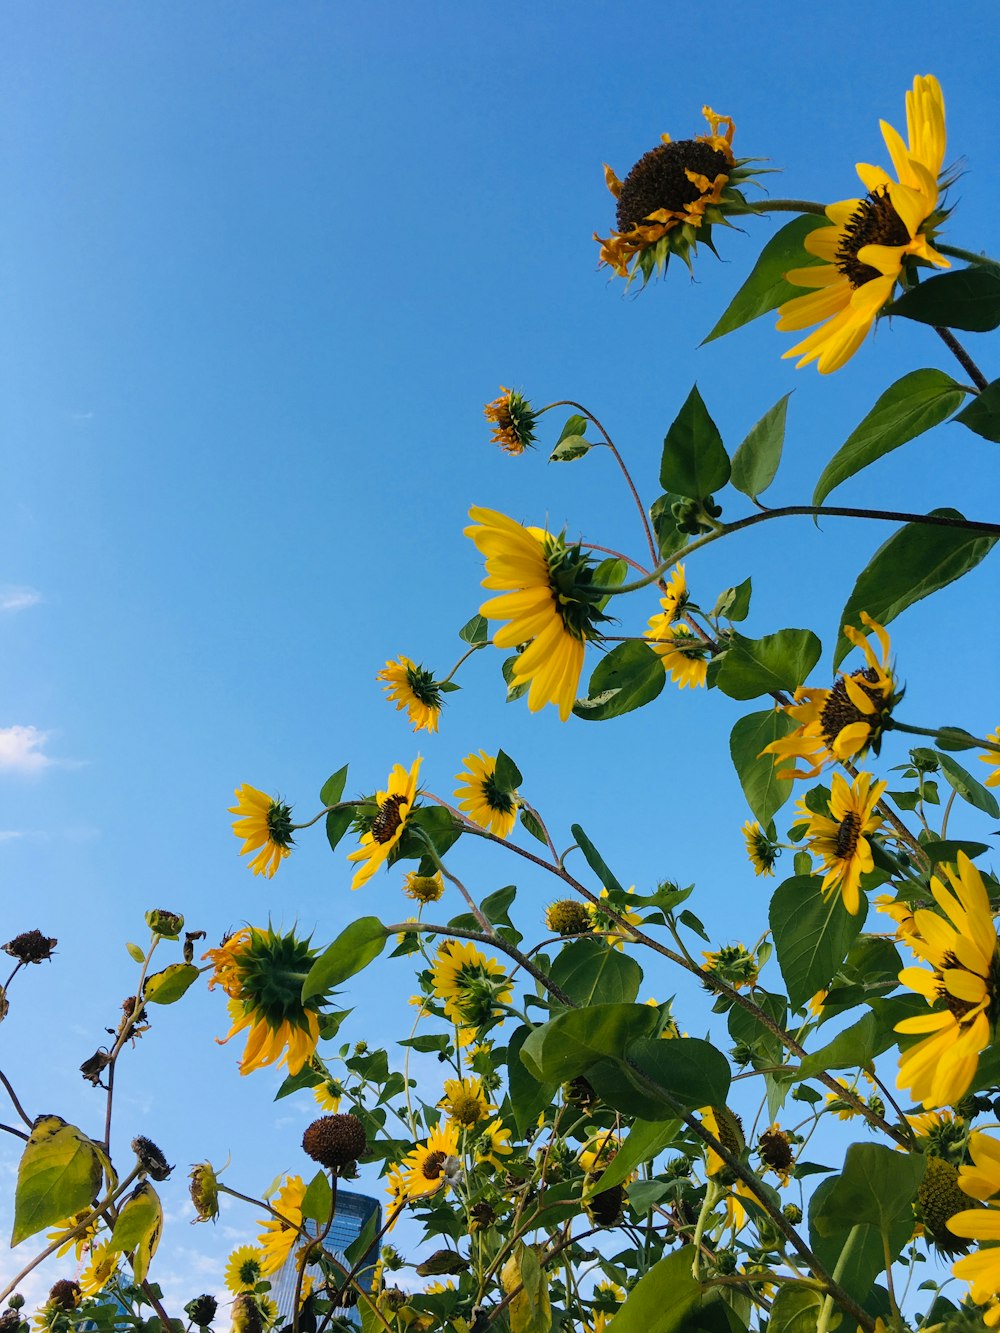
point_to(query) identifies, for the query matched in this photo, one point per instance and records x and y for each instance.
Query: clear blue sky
(261, 265)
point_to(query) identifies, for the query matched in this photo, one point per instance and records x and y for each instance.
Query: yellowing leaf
(530, 1311)
(59, 1174)
(137, 1230)
(169, 985)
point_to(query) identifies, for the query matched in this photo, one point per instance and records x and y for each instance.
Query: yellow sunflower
(484, 801)
(424, 888)
(675, 598)
(682, 653)
(493, 1144)
(470, 985)
(263, 823)
(548, 601)
(100, 1269)
(513, 421)
(845, 720)
(901, 912)
(840, 839)
(262, 973)
(429, 1167)
(602, 924)
(328, 1094)
(244, 1269)
(394, 806)
(395, 1185)
(465, 1102)
(670, 199)
(411, 687)
(279, 1234)
(992, 757)
(981, 1180)
(78, 1243)
(872, 242)
(962, 950)
(761, 850)
(733, 963)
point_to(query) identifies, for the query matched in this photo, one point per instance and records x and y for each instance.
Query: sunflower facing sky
(244, 1269)
(845, 720)
(411, 687)
(840, 839)
(486, 803)
(962, 949)
(465, 1102)
(872, 242)
(547, 600)
(262, 973)
(395, 805)
(427, 1168)
(265, 825)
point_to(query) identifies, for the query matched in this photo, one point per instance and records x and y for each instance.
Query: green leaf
(592, 973)
(438, 824)
(569, 449)
(955, 738)
(136, 953)
(168, 986)
(920, 400)
(850, 1049)
(968, 787)
(353, 949)
(628, 677)
(317, 1199)
(663, 1300)
(506, 774)
(795, 1310)
(945, 851)
(745, 1027)
(669, 538)
(594, 859)
(766, 288)
(877, 1187)
(138, 1228)
(528, 1096)
(692, 1071)
(333, 788)
(496, 905)
(575, 425)
(966, 299)
(569, 1044)
(531, 822)
(982, 414)
(734, 603)
(476, 630)
(694, 462)
(915, 561)
(857, 1252)
(811, 935)
(781, 661)
(59, 1174)
(765, 792)
(337, 824)
(756, 461)
(646, 1140)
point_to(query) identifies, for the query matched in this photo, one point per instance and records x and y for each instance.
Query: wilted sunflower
(485, 802)
(279, 1234)
(981, 1181)
(465, 1102)
(262, 973)
(684, 656)
(424, 888)
(670, 199)
(244, 1269)
(431, 1165)
(470, 984)
(411, 687)
(962, 949)
(840, 839)
(761, 850)
(874, 242)
(513, 421)
(548, 601)
(264, 823)
(395, 806)
(844, 721)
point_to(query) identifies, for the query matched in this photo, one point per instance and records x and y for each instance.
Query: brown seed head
(30, 947)
(335, 1141)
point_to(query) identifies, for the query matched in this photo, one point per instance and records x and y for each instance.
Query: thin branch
(13, 1096)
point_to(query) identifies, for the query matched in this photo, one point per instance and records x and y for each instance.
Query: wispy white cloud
(21, 750)
(9, 834)
(13, 598)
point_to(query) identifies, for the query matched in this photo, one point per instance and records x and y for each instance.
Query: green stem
(823, 1323)
(935, 733)
(962, 357)
(712, 1194)
(464, 658)
(969, 256)
(791, 206)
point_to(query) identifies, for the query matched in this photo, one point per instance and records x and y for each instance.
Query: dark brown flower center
(847, 836)
(388, 819)
(775, 1149)
(873, 222)
(433, 1165)
(658, 180)
(840, 711)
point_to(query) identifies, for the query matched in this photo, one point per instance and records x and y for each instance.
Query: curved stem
(13, 1096)
(19, 1133)
(962, 357)
(619, 555)
(464, 658)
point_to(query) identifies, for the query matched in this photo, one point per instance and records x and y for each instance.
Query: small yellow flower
(733, 963)
(901, 912)
(465, 1102)
(265, 825)
(992, 757)
(100, 1269)
(484, 801)
(279, 1234)
(761, 850)
(840, 839)
(513, 421)
(424, 888)
(327, 1095)
(411, 687)
(244, 1269)
(684, 656)
(981, 1181)
(394, 807)
(493, 1144)
(675, 597)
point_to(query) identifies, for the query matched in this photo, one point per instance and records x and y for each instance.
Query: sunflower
(279, 1234)
(568, 916)
(493, 1144)
(78, 1243)
(775, 1150)
(430, 1166)
(874, 242)
(981, 1181)
(395, 1185)
(262, 973)
(901, 912)
(602, 923)
(513, 421)
(424, 888)
(484, 801)
(962, 951)
(244, 1269)
(264, 823)
(465, 1102)
(761, 850)
(670, 199)
(471, 985)
(992, 757)
(100, 1269)
(844, 721)
(734, 963)
(840, 839)
(327, 1095)
(395, 805)
(683, 655)
(548, 601)
(411, 687)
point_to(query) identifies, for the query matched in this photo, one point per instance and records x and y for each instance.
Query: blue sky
(261, 266)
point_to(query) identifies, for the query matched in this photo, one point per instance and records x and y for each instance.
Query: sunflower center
(279, 823)
(840, 711)
(388, 820)
(466, 1108)
(873, 222)
(433, 1165)
(659, 181)
(848, 835)
(495, 797)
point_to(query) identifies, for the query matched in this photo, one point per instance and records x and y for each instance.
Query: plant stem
(969, 256)
(935, 732)
(464, 658)
(962, 357)
(790, 206)
(13, 1096)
